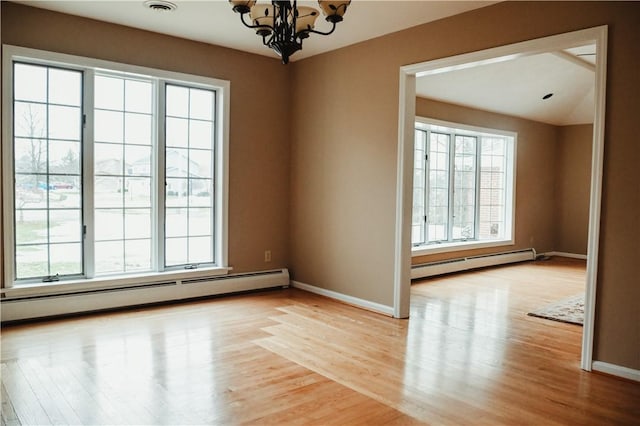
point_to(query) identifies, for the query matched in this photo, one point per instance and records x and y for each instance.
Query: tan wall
(573, 182)
(258, 160)
(345, 135)
(535, 173)
(343, 173)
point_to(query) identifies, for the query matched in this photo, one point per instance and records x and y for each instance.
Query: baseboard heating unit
(430, 269)
(56, 303)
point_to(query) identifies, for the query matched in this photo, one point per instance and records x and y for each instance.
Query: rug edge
(533, 314)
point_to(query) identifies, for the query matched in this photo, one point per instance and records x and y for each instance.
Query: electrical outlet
(267, 255)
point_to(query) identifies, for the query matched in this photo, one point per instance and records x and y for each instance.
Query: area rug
(569, 310)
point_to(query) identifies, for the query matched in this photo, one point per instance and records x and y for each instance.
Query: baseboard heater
(425, 270)
(91, 300)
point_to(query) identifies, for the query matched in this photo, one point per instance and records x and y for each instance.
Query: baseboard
(616, 370)
(459, 264)
(350, 300)
(564, 254)
(54, 305)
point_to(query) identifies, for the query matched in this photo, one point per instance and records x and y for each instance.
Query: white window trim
(427, 249)
(223, 88)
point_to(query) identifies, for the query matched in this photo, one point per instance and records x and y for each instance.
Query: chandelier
(283, 25)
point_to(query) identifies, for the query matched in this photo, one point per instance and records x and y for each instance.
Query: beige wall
(345, 135)
(573, 185)
(258, 160)
(535, 174)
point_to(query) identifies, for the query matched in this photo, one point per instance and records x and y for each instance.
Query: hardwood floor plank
(468, 355)
(8, 414)
(24, 401)
(46, 390)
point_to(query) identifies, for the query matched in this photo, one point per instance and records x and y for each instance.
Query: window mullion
(476, 220)
(426, 182)
(452, 172)
(160, 183)
(87, 175)
(214, 191)
(8, 188)
(47, 127)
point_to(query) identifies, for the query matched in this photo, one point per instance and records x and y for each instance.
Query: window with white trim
(463, 185)
(109, 172)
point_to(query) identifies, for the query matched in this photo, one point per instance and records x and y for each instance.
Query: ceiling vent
(160, 5)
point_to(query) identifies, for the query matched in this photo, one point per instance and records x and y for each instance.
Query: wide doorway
(409, 75)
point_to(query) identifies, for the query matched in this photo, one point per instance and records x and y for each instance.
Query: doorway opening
(406, 126)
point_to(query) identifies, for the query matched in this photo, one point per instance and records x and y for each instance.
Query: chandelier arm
(267, 42)
(254, 26)
(320, 32)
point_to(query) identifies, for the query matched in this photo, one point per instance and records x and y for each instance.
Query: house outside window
(463, 191)
(110, 170)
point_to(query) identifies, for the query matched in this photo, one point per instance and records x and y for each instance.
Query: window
(463, 186)
(47, 117)
(189, 159)
(122, 178)
(110, 169)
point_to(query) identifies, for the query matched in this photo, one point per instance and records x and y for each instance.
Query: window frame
(510, 193)
(165, 206)
(90, 261)
(11, 150)
(90, 66)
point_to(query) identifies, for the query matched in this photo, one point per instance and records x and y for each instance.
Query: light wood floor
(468, 355)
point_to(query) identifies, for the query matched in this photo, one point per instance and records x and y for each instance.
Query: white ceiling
(516, 87)
(214, 21)
(513, 87)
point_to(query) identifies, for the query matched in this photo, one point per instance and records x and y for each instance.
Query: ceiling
(516, 87)
(513, 87)
(215, 22)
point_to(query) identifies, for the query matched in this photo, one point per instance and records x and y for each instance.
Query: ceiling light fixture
(283, 25)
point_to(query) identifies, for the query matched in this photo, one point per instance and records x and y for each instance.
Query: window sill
(457, 246)
(109, 282)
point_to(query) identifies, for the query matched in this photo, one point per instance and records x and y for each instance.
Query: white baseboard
(472, 262)
(616, 370)
(564, 254)
(355, 301)
(22, 308)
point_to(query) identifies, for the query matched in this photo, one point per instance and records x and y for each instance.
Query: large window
(463, 186)
(111, 171)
